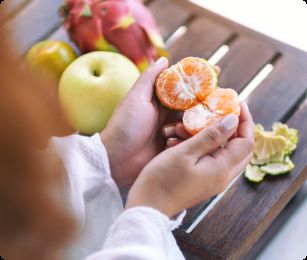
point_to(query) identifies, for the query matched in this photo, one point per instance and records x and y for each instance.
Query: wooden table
(242, 215)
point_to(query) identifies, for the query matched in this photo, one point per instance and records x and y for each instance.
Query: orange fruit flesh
(219, 104)
(223, 102)
(197, 118)
(186, 83)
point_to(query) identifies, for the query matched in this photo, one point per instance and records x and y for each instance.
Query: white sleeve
(138, 233)
(141, 233)
(93, 195)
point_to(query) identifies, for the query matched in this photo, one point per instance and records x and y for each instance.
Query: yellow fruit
(92, 86)
(50, 58)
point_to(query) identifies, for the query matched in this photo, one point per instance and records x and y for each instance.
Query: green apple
(92, 86)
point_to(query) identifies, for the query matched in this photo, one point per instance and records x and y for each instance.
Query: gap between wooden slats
(169, 16)
(202, 39)
(279, 93)
(295, 121)
(35, 22)
(244, 60)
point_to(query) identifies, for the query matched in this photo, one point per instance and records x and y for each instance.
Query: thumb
(212, 137)
(144, 86)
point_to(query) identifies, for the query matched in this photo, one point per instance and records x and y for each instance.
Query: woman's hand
(196, 169)
(133, 135)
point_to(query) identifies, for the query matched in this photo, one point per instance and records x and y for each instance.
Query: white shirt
(106, 230)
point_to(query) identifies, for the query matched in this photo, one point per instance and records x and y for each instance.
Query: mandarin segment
(219, 104)
(186, 83)
(170, 94)
(197, 118)
(199, 75)
(223, 102)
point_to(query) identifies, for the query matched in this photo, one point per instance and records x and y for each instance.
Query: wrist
(150, 194)
(115, 165)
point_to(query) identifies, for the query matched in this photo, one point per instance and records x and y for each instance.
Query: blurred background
(285, 23)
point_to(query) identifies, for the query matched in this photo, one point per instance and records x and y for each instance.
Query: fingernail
(173, 139)
(229, 122)
(161, 61)
(169, 131)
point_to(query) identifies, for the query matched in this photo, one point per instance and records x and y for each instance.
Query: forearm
(141, 233)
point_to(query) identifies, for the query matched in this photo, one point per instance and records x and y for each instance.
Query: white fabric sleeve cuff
(141, 233)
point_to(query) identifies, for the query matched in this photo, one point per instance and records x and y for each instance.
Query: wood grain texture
(236, 27)
(202, 39)
(279, 93)
(34, 22)
(169, 16)
(246, 57)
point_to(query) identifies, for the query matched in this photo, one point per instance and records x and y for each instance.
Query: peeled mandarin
(186, 83)
(219, 104)
(197, 118)
(224, 102)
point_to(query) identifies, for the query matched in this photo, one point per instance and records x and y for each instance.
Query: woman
(63, 201)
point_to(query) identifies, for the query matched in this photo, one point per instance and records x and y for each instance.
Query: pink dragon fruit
(126, 26)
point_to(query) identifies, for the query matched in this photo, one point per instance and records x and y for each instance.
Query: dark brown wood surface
(240, 218)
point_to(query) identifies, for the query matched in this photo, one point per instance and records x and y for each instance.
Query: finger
(144, 86)
(211, 138)
(218, 70)
(175, 130)
(169, 130)
(234, 135)
(233, 153)
(171, 142)
(225, 175)
(246, 126)
(238, 169)
(181, 132)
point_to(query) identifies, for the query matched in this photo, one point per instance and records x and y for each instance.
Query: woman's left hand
(133, 135)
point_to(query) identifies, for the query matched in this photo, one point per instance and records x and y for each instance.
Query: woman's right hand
(196, 169)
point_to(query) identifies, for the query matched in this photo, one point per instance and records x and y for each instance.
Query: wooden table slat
(280, 92)
(202, 39)
(236, 27)
(169, 16)
(246, 57)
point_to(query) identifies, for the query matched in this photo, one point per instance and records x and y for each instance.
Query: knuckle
(249, 144)
(213, 136)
